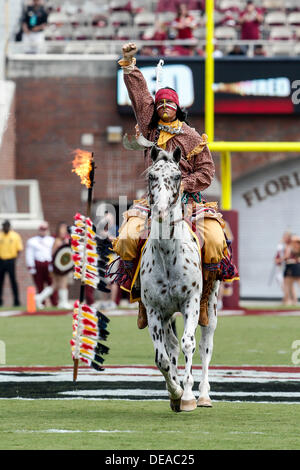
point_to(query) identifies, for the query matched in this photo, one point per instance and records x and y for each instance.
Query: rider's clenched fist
(129, 50)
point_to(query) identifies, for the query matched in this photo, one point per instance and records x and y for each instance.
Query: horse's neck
(173, 228)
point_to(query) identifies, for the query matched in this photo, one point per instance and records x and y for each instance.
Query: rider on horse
(163, 122)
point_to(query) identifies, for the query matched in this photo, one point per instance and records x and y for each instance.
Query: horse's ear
(177, 154)
(154, 153)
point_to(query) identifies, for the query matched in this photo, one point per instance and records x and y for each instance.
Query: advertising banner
(242, 85)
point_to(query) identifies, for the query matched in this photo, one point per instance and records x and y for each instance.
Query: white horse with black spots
(171, 281)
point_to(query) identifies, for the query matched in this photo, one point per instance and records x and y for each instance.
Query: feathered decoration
(90, 253)
(159, 71)
(89, 329)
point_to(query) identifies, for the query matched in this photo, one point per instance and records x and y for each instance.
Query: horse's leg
(162, 360)
(173, 350)
(206, 346)
(191, 315)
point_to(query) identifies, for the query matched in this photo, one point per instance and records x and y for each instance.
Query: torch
(89, 325)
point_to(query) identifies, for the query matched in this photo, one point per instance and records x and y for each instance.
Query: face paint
(165, 115)
(165, 105)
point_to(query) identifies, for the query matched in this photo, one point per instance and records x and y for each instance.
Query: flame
(82, 166)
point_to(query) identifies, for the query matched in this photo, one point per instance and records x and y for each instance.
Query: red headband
(167, 94)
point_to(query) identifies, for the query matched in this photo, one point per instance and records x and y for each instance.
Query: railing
(114, 47)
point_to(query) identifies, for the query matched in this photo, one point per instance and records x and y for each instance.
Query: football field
(254, 377)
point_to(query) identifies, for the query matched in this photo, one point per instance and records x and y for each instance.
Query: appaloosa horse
(171, 281)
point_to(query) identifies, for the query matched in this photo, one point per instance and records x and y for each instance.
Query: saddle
(127, 273)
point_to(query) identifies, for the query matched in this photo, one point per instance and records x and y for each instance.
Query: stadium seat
(225, 5)
(166, 17)
(297, 49)
(281, 32)
(293, 19)
(271, 4)
(67, 8)
(118, 5)
(104, 33)
(225, 32)
(63, 32)
(120, 18)
(49, 32)
(96, 48)
(282, 50)
(128, 33)
(58, 18)
(144, 19)
(83, 33)
(75, 48)
(81, 19)
(199, 33)
(275, 18)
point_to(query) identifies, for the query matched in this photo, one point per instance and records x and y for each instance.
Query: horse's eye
(177, 177)
(151, 177)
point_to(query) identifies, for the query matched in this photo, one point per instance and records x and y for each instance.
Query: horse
(171, 281)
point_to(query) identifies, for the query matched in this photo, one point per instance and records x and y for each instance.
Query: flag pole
(82, 285)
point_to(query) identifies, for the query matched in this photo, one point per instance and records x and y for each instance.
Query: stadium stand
(113, 21)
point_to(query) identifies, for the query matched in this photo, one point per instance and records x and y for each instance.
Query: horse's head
(164, 178)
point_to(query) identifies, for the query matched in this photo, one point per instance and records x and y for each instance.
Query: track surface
(249, 384)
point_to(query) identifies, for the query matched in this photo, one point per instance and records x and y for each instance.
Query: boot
(142, 320)
(209, 278)
(39, 298)
(63, 299)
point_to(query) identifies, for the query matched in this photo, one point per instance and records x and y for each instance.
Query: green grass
(44, 340)
(152, 425)
(254, 340)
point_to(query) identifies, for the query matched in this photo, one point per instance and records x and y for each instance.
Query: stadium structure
(70, 95)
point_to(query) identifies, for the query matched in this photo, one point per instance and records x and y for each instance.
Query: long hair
(180, 114)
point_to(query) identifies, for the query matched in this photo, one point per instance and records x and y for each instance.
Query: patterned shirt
(197, 166)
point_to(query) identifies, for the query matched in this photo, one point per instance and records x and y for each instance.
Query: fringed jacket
(197, 166)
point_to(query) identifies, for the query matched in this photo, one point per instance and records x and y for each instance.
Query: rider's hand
(129, 50)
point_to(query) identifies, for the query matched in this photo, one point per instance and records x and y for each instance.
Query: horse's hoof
(175, 405)
(188, 405)
(204, 402)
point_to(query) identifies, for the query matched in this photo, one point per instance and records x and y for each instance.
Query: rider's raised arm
(203, 172)
(141, 99)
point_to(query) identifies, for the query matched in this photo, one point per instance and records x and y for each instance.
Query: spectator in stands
(34, 22)
(159, 33)
(166, 5)
(172, 5)
(259, 50)
(146, 51)
(190, 50)
(184, 23)
(11, 246)
(217, 52)
(38, 262)
(250, 21)
(237, 50)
